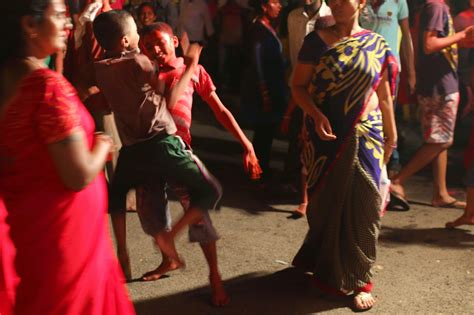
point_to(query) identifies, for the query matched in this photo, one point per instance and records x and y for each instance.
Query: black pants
(262, 144)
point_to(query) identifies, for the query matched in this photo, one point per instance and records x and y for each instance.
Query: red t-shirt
(201, 82)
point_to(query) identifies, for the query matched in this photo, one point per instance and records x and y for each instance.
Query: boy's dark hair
(157, 26)
(109, 27)
(145, 4)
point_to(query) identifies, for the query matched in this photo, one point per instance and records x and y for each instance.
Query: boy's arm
(433, 43)
(226, 119)
(191, 59)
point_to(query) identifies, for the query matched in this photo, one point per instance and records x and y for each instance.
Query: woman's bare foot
(363, 301)
(124, 261)
(462, 220)
(219, 296)
(165, 266)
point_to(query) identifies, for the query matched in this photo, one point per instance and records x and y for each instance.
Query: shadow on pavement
(285, 292)
(439, 237)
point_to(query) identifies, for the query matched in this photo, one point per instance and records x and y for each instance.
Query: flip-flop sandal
(397, 203)
(450, 205)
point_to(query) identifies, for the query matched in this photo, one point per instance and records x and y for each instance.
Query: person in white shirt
(195, 20)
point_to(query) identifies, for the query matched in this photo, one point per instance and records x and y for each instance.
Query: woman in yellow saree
(344, 82)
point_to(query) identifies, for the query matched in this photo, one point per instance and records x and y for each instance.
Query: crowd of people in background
(84, 78)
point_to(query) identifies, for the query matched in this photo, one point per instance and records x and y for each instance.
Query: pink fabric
(201, 82)
(8, 278)
(117, 4)
(64, 256)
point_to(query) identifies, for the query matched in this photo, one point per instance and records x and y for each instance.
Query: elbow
(429, 48)
(428, 51)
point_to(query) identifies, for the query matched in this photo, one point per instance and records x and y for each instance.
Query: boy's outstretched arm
(226, 119)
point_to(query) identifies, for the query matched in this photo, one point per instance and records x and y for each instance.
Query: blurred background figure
(264, 89)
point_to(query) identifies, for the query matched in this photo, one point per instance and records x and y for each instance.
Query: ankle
(214, 276)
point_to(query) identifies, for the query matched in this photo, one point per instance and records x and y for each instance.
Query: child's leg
(198, 190)
(183, 169)
(219, 296)
(119, 227)
(165, 239)
(165, 242)
(154, 215)
(205, 233)
(121, 182)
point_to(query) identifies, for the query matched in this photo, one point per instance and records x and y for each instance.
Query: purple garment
(340, 92)
(436, 72)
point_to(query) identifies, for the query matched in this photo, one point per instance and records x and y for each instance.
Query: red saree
(64, 257)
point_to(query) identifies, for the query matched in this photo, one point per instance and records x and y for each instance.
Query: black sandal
(397, 203)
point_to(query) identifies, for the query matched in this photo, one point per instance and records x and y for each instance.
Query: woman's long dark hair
(11, 32)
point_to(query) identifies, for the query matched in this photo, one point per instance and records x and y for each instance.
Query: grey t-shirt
(140, 113)
(437, 72)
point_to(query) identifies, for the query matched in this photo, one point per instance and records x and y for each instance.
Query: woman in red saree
(50, 175)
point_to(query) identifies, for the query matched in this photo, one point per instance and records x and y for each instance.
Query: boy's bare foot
(166, 244)
(301, 210)
(163, 268)
(462, 220)
(363, 301)
(219, 296)
(124, 261)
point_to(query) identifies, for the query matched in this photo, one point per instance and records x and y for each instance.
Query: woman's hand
(388, 148)
(323, 128)
(103, 139)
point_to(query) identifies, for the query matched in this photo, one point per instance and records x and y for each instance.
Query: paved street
(421, 267)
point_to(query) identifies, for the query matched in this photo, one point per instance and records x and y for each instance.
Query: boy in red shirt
(159, 45)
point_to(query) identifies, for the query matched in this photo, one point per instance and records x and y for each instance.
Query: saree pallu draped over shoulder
(344, 174)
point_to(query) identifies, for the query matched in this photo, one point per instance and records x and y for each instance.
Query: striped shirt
(201, 82)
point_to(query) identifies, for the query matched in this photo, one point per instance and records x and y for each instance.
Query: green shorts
(162, 158)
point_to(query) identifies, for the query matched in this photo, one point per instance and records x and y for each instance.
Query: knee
(446, 145)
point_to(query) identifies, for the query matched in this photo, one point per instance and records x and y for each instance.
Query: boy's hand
(184, 42)
(251, 165)
(191, 52)
(191, 56)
